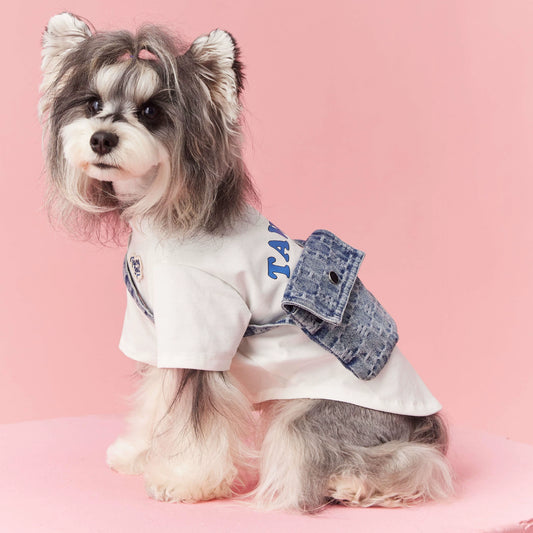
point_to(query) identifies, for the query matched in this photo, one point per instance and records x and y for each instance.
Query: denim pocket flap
(329, 303)
(323, 278)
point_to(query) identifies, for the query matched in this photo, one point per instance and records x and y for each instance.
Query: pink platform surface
(53, 478)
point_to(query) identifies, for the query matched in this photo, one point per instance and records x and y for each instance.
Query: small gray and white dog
(141, 128)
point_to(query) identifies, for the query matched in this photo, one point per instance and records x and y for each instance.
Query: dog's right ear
(63, 33)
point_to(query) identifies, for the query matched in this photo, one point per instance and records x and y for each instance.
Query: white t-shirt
(205, 291)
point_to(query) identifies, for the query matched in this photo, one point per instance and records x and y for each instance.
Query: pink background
(404, 127)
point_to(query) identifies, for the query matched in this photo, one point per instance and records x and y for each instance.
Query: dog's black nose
(102, 142)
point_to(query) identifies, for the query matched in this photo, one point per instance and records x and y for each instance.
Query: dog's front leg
(198, 444)
(150, 402)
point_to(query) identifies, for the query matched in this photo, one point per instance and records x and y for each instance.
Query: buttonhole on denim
(334, 277)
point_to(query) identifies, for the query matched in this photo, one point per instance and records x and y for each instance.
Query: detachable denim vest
(327, 301)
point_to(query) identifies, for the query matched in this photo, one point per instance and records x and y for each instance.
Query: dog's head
(140, 127)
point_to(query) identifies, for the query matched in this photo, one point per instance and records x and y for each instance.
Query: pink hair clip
(143, 54)
(147, 55)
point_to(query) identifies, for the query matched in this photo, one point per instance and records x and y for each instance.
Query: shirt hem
(194, 361)
(393, 407)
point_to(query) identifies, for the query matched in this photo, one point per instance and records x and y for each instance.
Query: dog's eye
(95, 106)
(149, 112)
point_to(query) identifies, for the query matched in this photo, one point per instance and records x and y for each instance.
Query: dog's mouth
(102, 171)
(105, 166)
(108, 172)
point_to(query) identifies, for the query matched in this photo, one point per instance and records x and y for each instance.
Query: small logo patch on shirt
(136, 267)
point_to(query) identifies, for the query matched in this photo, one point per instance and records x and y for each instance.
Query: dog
(226, 315)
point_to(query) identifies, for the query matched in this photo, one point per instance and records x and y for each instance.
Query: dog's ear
(63, 33)
(217, 57)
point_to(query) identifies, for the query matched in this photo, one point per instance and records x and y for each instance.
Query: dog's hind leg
(320, 451)
(198, 444)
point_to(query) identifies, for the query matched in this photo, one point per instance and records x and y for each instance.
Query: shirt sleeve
(199, 319)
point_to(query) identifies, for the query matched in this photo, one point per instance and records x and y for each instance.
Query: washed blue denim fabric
(134, 292)
(325, 298)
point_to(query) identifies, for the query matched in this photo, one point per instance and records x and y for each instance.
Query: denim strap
(134, 291)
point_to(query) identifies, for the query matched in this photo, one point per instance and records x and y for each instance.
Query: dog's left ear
(63, 33)
(217, 58)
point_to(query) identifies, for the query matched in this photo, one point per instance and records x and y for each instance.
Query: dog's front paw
(168, 484)
(127, 456)
(176, 492)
